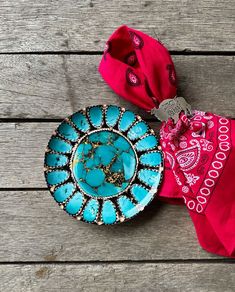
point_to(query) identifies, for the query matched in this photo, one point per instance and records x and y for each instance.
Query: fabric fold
(199, 148)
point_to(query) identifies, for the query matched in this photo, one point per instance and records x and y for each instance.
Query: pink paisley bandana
(199, 148)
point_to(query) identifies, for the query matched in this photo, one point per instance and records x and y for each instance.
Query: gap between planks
(129, 262)
(185, 52)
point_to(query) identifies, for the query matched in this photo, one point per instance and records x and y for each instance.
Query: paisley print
(137, 41)
(172, 74)
(206, 145)
(200, 157)
(131, 59)
(132, 78)
(189, 157)
(191, 178)
(170, 159)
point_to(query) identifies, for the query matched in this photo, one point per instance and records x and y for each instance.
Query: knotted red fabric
(199, 148)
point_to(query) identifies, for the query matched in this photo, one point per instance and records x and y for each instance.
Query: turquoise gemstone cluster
(103, 165)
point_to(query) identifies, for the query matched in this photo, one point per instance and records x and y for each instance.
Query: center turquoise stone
(104, 164)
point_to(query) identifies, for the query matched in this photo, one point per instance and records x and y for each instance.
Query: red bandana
(199, 148)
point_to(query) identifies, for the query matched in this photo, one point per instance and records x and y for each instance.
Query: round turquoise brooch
(103, 164)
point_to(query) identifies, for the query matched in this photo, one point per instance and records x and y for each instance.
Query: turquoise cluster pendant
(103, 165)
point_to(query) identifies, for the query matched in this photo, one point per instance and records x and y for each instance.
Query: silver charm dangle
(171, 108)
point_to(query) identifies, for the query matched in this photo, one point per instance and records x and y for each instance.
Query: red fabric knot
(174, 131)
(138, 68)
(197, 127)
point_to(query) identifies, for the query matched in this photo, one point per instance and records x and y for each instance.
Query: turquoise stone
(108, 213)
(104, 164)
(84, 148)
(56, 177)
(151, 159)
(59, 145)
(79, 170)
(87, 189)
(125, 185)
(55, 160)
(105, 153)
(112, 115)
(141, 195)
(95, 177)
(137, 131)
(63, 192)
(80, 121)
(127, 207)
(117, 166)
(126, 121)
(102, 136)
(96, 116)
(147, 143)
(149, 177)
(129, 164)
(108, 189)
(122, 144)
(92, 162)
(91, 210)
(75, 203)
(68, 132)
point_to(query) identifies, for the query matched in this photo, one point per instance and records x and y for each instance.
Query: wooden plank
(46, 86)
(119, 277)
(56, 25)
(22, 150)
(34, 228)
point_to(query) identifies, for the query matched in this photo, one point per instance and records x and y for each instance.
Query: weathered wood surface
(34, 228)
(53, 25)
(75, 256)
(54, 86)
(22, 149)
(119, 277)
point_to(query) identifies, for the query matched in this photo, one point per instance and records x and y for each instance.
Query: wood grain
(22, 151)
(118, 277)
(56, 25)
(54, 86)
(41, 247)
(34, 228)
